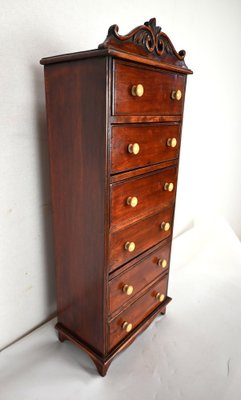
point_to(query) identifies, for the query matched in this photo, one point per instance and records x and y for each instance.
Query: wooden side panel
(76, 110)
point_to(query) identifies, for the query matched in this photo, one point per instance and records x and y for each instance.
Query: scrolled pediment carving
(146, 40)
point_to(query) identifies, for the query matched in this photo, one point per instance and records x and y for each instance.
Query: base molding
(102, 363)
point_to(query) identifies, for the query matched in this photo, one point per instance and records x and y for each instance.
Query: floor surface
(194, 352)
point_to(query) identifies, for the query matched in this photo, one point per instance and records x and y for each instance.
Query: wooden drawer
(144, 234)
(137, 312)
(152, 141)
(141, 196)
(138, 276)
(158, 87)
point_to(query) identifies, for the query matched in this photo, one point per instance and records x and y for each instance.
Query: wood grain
(145, 234)
(158, 87)
(150, 193)
(79, 194)
(92, 118)
(139, 275)
(152, 139)
(123, 55)
(138, 311)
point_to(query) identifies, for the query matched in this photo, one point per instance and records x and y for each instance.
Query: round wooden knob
(130, 246)
(132, 201)
(176, 95)
(171, 142)
(133, 148)
(165, 226)
(169, 186)
(162, 263)
(137, 90)
(160, 297)
(127, 326)
(128, 289)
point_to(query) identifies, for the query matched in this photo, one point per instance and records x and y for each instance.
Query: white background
(209, 180)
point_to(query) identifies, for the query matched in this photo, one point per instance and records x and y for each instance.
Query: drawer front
(153, 145)
(128, 284)
(158, 90)
(139, 310)
(127, 243)
(140, 196)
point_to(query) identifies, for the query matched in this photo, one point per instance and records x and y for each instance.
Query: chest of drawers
(114, 128)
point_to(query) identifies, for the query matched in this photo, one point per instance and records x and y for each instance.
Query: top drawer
(159, 95)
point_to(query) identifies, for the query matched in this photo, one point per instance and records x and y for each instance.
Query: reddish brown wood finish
(145, 234)
(102, 363)
(139, 275)
(158, 87)
(92, 117)
(79, 194)
(150, 193)
(147, 40)
(152, 140)
(136, 312)
(150, 119)
(122, 176)
(82, 55)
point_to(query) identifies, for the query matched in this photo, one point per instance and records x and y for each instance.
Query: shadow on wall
(45, 193)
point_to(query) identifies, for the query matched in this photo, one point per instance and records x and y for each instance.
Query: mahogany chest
(114, 130)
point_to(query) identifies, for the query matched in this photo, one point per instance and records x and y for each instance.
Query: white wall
(210, 173)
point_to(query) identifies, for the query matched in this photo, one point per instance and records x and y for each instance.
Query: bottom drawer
(125, 322)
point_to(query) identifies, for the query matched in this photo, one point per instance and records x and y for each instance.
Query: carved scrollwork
(147, 40)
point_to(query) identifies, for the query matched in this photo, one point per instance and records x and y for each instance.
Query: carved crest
(147, 40)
